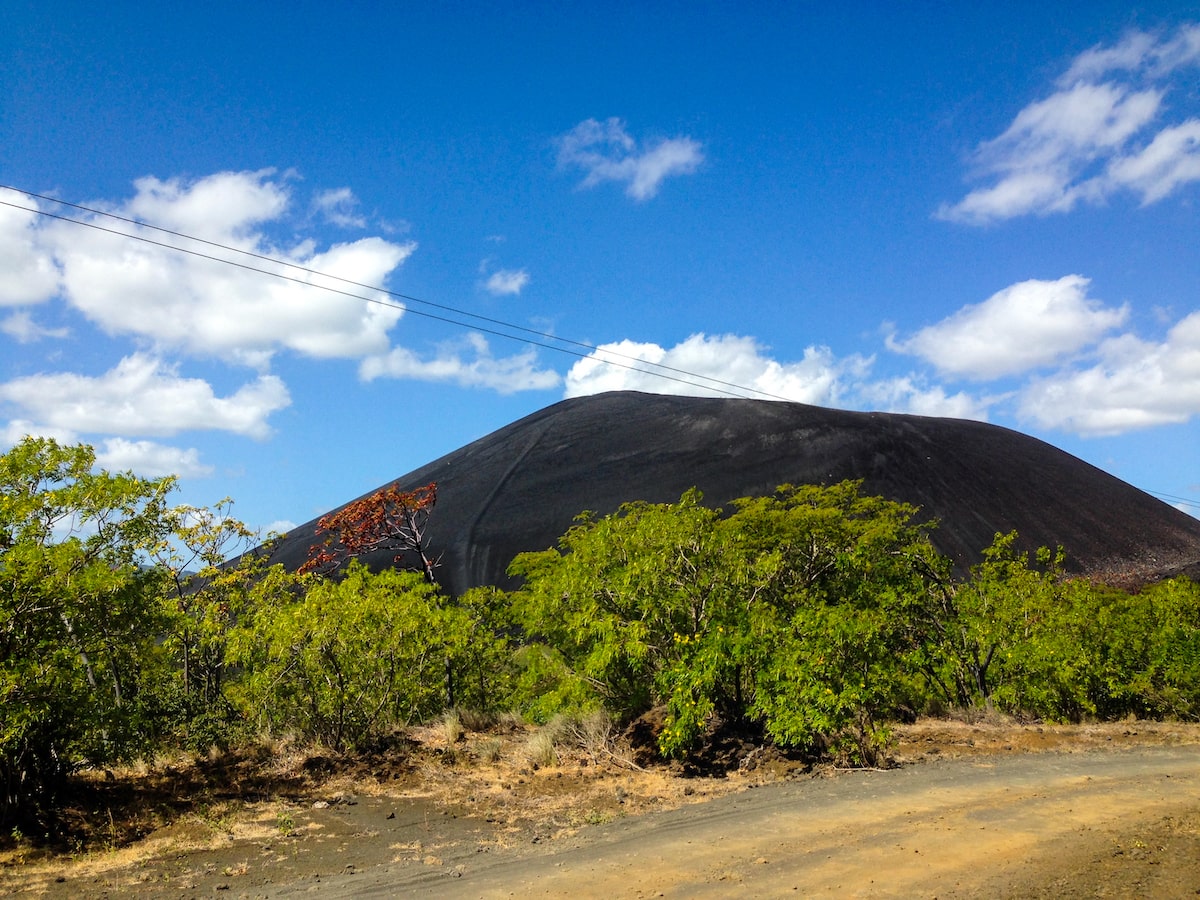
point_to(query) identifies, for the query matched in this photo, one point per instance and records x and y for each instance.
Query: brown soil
(435, 815)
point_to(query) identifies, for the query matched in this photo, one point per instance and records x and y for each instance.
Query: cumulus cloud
(144, 396)
(605, 151)
(1087, 380)
(21, 327)
(225, 207)
(468, 364)
(1186, 506)
(28, 273)
(200, 306)
(1135, 384)
(150, 460)
(340, 207)
(15, 430)
(174, 304)
(715, 366)
(1027, 325)
(1098, 134)
(723, 360)
(1078, 376)
(507, 282)
(1137, 51)
(910, 394)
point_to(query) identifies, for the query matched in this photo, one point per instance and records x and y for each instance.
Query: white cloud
(1091, 138)
(606, 152)
(1127, 55)
(735, 360)
(475, 368)
(1169, 161)
(1091, 384)
(1138, 50)
(200, 306)
(27, 270)
(909, 394)
(340, 207)
(150, 460)
(818, 378)
(1136, 384)
(224, 207)
(21, 327)
(17, 429)
(144, 396)
(280, 527)
(507, 281)
(1188, 507)
(1026, 325)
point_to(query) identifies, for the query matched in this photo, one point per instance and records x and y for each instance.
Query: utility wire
(1184, 500)
(589, 348)
(714, 384)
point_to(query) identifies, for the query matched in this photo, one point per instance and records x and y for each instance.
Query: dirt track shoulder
(1099, 823)
(988, 808)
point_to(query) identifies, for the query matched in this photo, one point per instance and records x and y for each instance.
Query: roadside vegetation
(817, 617)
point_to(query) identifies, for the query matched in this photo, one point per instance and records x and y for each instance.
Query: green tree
(839, 589)
(78, 616)
(482, 667)
(1147, 651)
(208, 573)
(1014, 636)
(621, 600)
(794, 611)
(347, 660)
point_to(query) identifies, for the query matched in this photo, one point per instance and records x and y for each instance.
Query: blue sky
(917, 208)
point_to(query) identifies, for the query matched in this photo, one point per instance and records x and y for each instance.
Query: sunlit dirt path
(1120, 823)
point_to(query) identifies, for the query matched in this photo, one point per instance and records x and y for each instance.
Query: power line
(1184, 500)
(713, 384)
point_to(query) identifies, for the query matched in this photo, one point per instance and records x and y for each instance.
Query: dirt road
(1117, 823)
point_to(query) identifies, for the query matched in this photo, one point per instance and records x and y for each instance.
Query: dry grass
(452, 727)
(993, 734)
(207, 828)
(490, 750)
(182, 805)
(541, 748)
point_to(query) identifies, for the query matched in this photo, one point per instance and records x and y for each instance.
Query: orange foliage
(387, 519)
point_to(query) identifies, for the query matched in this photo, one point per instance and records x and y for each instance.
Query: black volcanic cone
(520, 487)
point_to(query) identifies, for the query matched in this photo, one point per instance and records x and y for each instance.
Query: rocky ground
(452, 810)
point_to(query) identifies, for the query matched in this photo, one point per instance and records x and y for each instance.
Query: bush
(795, 611)
(350, 659)
(79, 618)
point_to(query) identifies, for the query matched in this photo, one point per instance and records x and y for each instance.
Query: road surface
(1095, 823)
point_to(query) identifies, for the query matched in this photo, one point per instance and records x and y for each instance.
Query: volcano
(521, 487)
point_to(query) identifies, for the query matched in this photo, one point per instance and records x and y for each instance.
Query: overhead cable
(585, 351)
(635, 364)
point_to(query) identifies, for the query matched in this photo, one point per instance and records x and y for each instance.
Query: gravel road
(1085, 824)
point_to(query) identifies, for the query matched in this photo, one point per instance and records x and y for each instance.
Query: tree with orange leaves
(389, 519)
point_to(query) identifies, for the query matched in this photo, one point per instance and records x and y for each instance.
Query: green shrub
(674, 604)
(79, 618)
(349, 659)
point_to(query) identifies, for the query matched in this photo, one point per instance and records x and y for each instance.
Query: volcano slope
(521, 487)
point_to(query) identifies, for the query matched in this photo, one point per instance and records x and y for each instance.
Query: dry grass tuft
(540, 747)
(452, 727)
(490, 750)
(594, 733)
(474, 720)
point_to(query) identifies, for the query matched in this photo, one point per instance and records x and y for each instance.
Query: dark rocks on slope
(520, 488)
